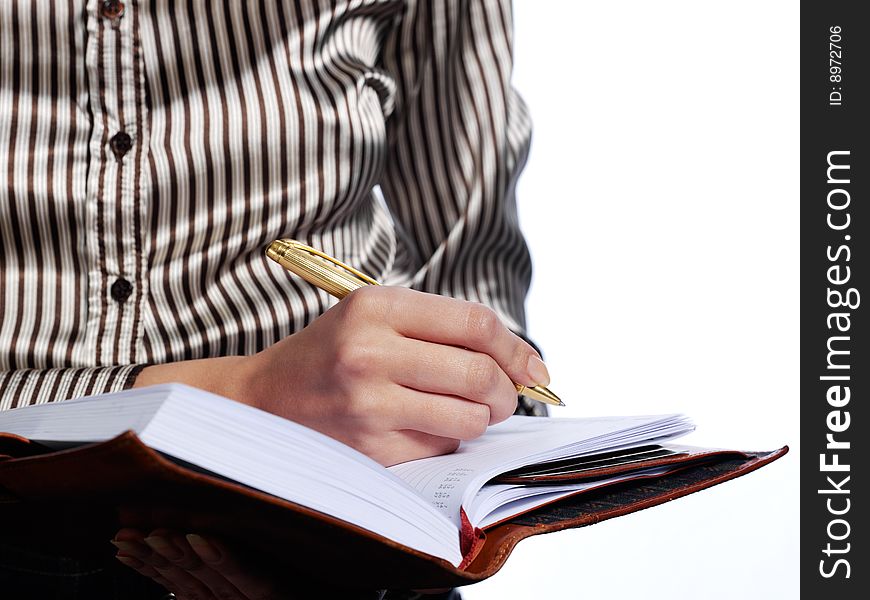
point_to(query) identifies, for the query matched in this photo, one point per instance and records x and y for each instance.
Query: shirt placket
(115, 217)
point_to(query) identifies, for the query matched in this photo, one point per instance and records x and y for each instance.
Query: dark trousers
(31, 573)
(28, 573)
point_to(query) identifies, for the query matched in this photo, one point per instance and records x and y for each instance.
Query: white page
(451, 481)
(497, 502)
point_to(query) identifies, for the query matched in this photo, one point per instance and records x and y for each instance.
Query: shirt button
(121, 144)
(121, 289)
(112, 9)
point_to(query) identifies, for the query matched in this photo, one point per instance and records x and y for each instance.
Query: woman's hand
(395, 373)
(193, 567)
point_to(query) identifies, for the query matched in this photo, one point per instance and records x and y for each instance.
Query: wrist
(239, 379)
(250, 380)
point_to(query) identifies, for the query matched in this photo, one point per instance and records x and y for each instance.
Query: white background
(660, 202)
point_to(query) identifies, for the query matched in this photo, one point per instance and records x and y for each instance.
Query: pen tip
(542, 394)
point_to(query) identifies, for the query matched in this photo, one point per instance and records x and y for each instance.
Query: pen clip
(334, 261)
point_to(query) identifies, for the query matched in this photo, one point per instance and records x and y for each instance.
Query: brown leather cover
(78, 498)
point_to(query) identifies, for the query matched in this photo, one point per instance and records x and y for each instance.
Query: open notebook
(450, 519)
(416, 503)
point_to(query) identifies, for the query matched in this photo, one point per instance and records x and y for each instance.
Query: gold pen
(336, 278)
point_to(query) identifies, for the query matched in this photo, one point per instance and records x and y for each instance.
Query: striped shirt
(150, 150)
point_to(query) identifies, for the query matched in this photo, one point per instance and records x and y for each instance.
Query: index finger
(471, 325)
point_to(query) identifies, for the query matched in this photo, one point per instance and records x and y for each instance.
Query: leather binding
(78, 498)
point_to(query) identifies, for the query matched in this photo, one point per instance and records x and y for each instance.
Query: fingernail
(130, 548)
(129, 561)
(164, 547)
(538, 371)
(205, 550)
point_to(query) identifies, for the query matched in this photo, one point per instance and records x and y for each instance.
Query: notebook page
(452, 481)
(498, 502)
(307, 467)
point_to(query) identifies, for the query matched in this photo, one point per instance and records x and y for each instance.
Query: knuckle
(477, 422)
(481, 323)
(363, 301)
(354, 358)
(505, 407)
(361, 406)
(483, 375)
(520, 356)
(364, 409)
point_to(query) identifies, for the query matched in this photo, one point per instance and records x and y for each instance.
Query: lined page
(498, 502)
(452, 481)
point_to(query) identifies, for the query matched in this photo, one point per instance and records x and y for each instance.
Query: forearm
(225, 375)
